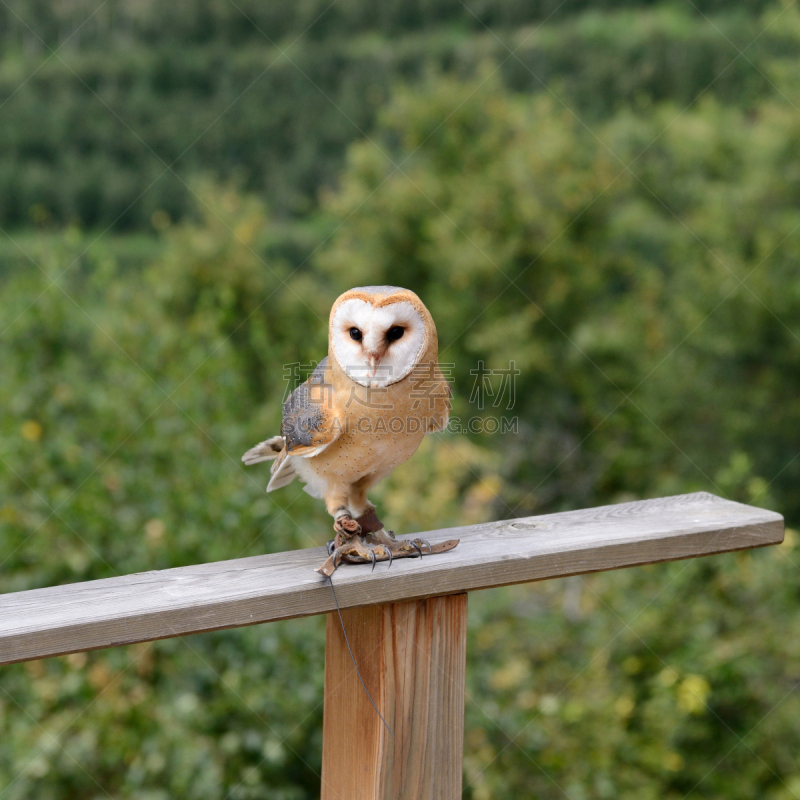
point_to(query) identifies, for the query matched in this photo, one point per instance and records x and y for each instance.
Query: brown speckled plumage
(349, 425)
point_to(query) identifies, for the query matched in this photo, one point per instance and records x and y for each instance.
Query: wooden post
(412, 657)
(407, 625)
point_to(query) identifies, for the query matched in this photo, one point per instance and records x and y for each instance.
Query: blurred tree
(637, 265)
(631, 272)
(109, 111)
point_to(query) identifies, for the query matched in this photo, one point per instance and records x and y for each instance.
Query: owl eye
(395, 332)
(355, 334)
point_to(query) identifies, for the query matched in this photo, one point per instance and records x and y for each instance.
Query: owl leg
(346, 529)
(357, 500)
(346, 526)
(336, 501)
(367, 523)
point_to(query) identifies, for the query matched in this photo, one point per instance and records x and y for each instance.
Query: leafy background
(605, 193)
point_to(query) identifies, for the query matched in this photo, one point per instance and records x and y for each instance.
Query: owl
(363, 411)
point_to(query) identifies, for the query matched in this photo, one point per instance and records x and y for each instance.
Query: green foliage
(204, 21)
(638, 273)
(108, 129)
(636, 260)
(127, 400)
(658, 682)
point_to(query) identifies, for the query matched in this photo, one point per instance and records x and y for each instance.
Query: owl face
(377, 339)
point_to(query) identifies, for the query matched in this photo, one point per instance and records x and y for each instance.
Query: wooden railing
(406, 624)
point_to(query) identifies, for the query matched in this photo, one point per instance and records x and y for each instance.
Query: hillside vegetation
(108, 127)
(613, 211)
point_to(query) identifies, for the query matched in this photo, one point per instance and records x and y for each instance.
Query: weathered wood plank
(412, 657)
(154, 605)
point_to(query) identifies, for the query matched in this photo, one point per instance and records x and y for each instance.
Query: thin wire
(358, 672)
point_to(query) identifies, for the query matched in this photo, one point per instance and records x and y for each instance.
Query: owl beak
(373, 359)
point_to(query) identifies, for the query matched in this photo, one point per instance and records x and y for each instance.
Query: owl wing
(308, 426)
(441, 400)
(309, 421)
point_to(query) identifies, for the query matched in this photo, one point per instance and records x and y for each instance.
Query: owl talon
(377, 546)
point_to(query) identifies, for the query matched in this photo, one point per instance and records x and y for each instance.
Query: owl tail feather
(264, 451)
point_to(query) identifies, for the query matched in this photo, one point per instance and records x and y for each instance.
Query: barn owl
(364, 410)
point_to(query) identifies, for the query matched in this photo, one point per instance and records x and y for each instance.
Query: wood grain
(412, 657)
(226, 594)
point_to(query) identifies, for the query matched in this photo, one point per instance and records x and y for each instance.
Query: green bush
(110, 128)
(639, 274)
(640, 271)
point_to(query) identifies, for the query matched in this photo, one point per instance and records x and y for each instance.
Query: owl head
(378, 334)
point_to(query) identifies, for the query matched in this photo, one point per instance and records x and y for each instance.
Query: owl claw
(377, 546)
